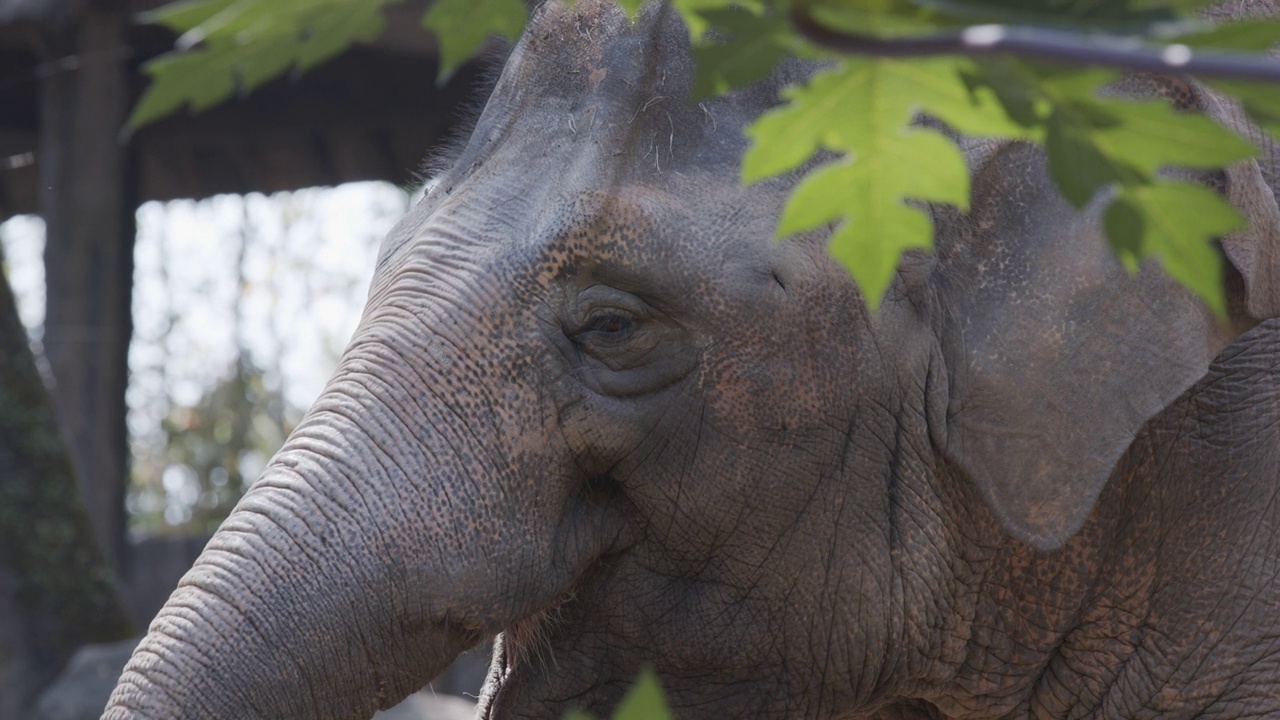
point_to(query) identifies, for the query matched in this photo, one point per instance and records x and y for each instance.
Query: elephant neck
(1154, 608)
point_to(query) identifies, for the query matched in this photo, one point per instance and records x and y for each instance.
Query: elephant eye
(609, 324)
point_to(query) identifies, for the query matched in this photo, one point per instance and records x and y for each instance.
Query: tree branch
(1045, 44)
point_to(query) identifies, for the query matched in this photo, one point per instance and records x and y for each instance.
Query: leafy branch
(906, 66)
(231, 47)
(1017, 69)
(1052, 45)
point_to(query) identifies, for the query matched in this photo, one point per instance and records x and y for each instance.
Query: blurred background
(184, 292)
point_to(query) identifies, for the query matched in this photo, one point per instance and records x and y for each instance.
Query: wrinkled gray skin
(594, 407)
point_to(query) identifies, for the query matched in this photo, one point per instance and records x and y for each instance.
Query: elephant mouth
(525, 643)
(522, 643)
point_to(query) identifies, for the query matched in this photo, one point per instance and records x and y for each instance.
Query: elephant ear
(1253, 186)
(1055, 355)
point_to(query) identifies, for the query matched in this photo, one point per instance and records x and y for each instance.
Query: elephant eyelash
(613, 324)
(605, 329)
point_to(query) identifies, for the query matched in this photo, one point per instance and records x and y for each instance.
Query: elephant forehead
(655, 243)
(591, 100)
(621, 231)
(575, 46)
(587, 81)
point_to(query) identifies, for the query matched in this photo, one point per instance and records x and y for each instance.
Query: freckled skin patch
(594, 406)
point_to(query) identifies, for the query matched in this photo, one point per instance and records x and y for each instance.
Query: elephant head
(594, 407)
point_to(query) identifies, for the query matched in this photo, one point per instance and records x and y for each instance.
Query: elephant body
(594, 408)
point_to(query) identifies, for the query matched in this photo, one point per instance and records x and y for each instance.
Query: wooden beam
(372, 113)
(366, 116)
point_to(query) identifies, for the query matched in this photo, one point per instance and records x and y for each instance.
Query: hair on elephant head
(594, 407)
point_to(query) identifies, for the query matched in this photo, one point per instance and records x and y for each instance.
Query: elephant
(593, 409)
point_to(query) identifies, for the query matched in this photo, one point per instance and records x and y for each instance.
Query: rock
(81, 691)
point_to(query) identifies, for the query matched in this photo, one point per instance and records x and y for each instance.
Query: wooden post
(88, 200)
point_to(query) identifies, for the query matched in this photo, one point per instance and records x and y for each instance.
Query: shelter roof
(373, 113)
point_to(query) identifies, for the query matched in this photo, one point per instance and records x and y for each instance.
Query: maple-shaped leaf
(463, 25)
(184, 15)
(243, 45)
(1094, 139)
(868, 195)
(839, 108)
(1151, 136)
(1092, 143)
(1176, 222)
(863, 109)
(199, 79)
(333, 32)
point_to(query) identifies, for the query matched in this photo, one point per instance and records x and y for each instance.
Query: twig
(1045, 44)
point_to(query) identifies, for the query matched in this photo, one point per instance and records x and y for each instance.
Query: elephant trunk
(263, 627)
(381, 542)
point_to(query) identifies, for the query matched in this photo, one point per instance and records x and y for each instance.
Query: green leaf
(839, 108)
(747, 49)
(183, 15)
(198, 79)
(1095, 140)
(879, 18)
(869, 193)
(873, 263)
(244, 44)
(1078, 166)
(245, 21)
(863, 109)
(1022, 102)
(331, 33)
(1094, 143)
(890, 167)
(1152, 135)
(645, 700)
(1176, 222)
(1028, 91)
(463, 25)
(1125, 227)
